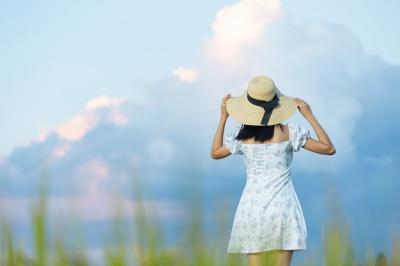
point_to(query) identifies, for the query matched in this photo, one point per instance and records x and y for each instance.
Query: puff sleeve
(298, 136)
(233, 144)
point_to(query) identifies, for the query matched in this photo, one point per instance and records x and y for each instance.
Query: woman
(269, 219)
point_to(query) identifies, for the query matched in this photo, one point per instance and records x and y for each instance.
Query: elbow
(331, 151)
(214, 156)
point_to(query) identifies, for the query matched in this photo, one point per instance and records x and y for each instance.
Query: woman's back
(271, 156)
(260, 219)
(280, 134)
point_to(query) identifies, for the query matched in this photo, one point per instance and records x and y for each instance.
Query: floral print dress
(269, 215)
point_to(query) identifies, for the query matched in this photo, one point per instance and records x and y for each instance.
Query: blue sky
(91, 89)
(62, 54)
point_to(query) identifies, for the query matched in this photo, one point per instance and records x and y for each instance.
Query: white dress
(269, 215)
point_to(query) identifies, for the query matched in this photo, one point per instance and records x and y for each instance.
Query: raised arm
(323, 145)
(218, 151)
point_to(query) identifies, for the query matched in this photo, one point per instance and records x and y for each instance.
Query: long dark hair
(260, 133)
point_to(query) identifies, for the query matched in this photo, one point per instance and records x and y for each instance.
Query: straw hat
(261, 104)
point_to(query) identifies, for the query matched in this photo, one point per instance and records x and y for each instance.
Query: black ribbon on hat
(267, 105)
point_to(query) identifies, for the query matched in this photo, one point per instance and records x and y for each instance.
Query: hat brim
(241, 110)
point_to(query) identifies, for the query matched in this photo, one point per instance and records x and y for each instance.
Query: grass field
(148, 249)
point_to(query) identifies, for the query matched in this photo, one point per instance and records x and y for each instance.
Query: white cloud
(104, 101)
(77, 126)
(318, 61)
(239, 25)
(186, 74)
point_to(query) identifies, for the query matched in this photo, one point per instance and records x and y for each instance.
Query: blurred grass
(149, 249)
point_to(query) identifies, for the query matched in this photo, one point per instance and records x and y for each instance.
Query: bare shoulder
(285, 127)
(283, 131)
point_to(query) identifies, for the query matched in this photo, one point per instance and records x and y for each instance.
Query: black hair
(260, 133)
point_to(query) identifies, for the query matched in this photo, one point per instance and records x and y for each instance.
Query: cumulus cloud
(238, 26)
(318, 61)
(76, 127)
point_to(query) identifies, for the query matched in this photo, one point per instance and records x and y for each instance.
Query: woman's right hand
(224, 112)
(303, 107)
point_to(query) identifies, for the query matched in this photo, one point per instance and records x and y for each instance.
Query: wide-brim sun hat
(261, 104)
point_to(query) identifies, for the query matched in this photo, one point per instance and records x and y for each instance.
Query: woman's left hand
(224, 112)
